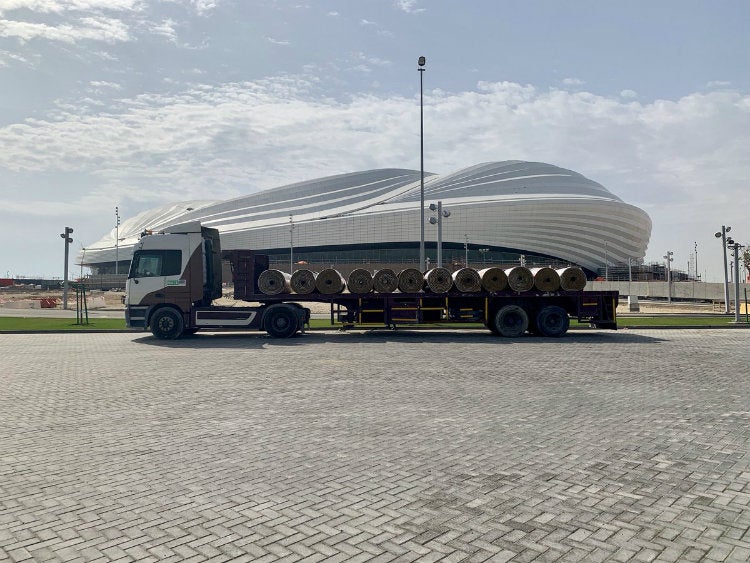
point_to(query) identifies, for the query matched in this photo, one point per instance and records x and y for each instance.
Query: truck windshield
(150, 263)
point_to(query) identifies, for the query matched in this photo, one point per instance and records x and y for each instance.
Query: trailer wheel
(510, 321)
(280, 321)
(167, 324)
(552, 321)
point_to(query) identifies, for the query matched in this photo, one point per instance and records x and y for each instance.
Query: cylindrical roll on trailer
(410, 280)
(546, 279)
(385, 281)
(572, 278)
(330, 281)
(303, 281)
(520, 278)
(274, 282)
(493, 279)
(359, 281)
(438, 280)
(467, 280)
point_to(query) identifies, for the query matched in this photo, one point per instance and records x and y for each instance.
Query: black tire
(510, 321)
(167, 324)
(280, 321)
(552, 321)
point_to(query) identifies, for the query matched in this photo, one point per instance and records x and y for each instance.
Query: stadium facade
(499, 212)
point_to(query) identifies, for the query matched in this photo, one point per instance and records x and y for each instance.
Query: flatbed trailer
(176, 298)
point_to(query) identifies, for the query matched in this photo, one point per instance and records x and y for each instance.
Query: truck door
(154, 277)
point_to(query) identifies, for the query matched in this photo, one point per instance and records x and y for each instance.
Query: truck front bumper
(135, 317)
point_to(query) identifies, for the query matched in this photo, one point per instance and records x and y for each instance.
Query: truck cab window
(150, 263)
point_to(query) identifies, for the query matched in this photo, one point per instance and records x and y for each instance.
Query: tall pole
(421, 62)
(696, 261)
(736, 253)
(68, 240)
(723, 236)
(736, 282)
(668, 258)
(291, 244)
(117, 241)
(606, 262)
(466, 250)
(440, 234)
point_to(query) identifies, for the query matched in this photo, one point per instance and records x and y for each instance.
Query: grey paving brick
(375, 447)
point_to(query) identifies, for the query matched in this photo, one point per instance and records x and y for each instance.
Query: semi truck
(176, 275)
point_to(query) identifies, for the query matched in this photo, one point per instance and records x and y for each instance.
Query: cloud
(573, 82)
(689, 156)
(718, 84)
(108, 30)
(408, 6)
(60, 6)
(365, 63)
(628, 94)
(277, 41)
(166, 28)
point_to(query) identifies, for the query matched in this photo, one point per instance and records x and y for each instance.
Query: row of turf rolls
(411, 280)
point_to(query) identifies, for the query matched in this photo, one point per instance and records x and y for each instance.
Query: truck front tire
(281, 321)
(167, 324)
(510, 321)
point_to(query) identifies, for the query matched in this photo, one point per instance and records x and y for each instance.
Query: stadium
(500, 213)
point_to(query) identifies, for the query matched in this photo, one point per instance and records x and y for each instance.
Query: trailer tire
(510, 321)
(552, 321)
(167, 324)
(280, 321)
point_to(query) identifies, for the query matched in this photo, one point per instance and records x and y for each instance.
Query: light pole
(117, 240)
(82, 259)
(669, 259)
(68, 240)
(466, 251)
(736, 252)
(483, 252)
(439, 220)
(291, 244)
(421, 62)
(696, 260)
(723, 236)
(606, 262)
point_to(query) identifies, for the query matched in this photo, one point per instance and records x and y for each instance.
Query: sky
(138, 103)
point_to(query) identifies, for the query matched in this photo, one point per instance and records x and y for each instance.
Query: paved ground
(601, 446)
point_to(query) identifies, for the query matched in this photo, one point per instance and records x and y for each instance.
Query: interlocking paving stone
(380, 447)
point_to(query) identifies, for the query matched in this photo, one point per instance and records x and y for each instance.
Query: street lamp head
(433, 207)
(727, 229)
(421, 61)
(433, 220)
(446, 213)
(717, 235)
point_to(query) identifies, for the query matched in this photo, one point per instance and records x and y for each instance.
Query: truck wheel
(167, 324)
(510, 321)
(552, 321)
(280, 321)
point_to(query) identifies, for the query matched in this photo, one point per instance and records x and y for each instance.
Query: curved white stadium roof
(529, 207)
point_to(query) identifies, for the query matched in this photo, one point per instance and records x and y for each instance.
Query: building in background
(500, 212)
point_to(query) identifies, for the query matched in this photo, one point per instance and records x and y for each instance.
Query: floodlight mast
(421, 62)
(723, 236)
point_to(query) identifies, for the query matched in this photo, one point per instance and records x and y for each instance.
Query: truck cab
(171, 273)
